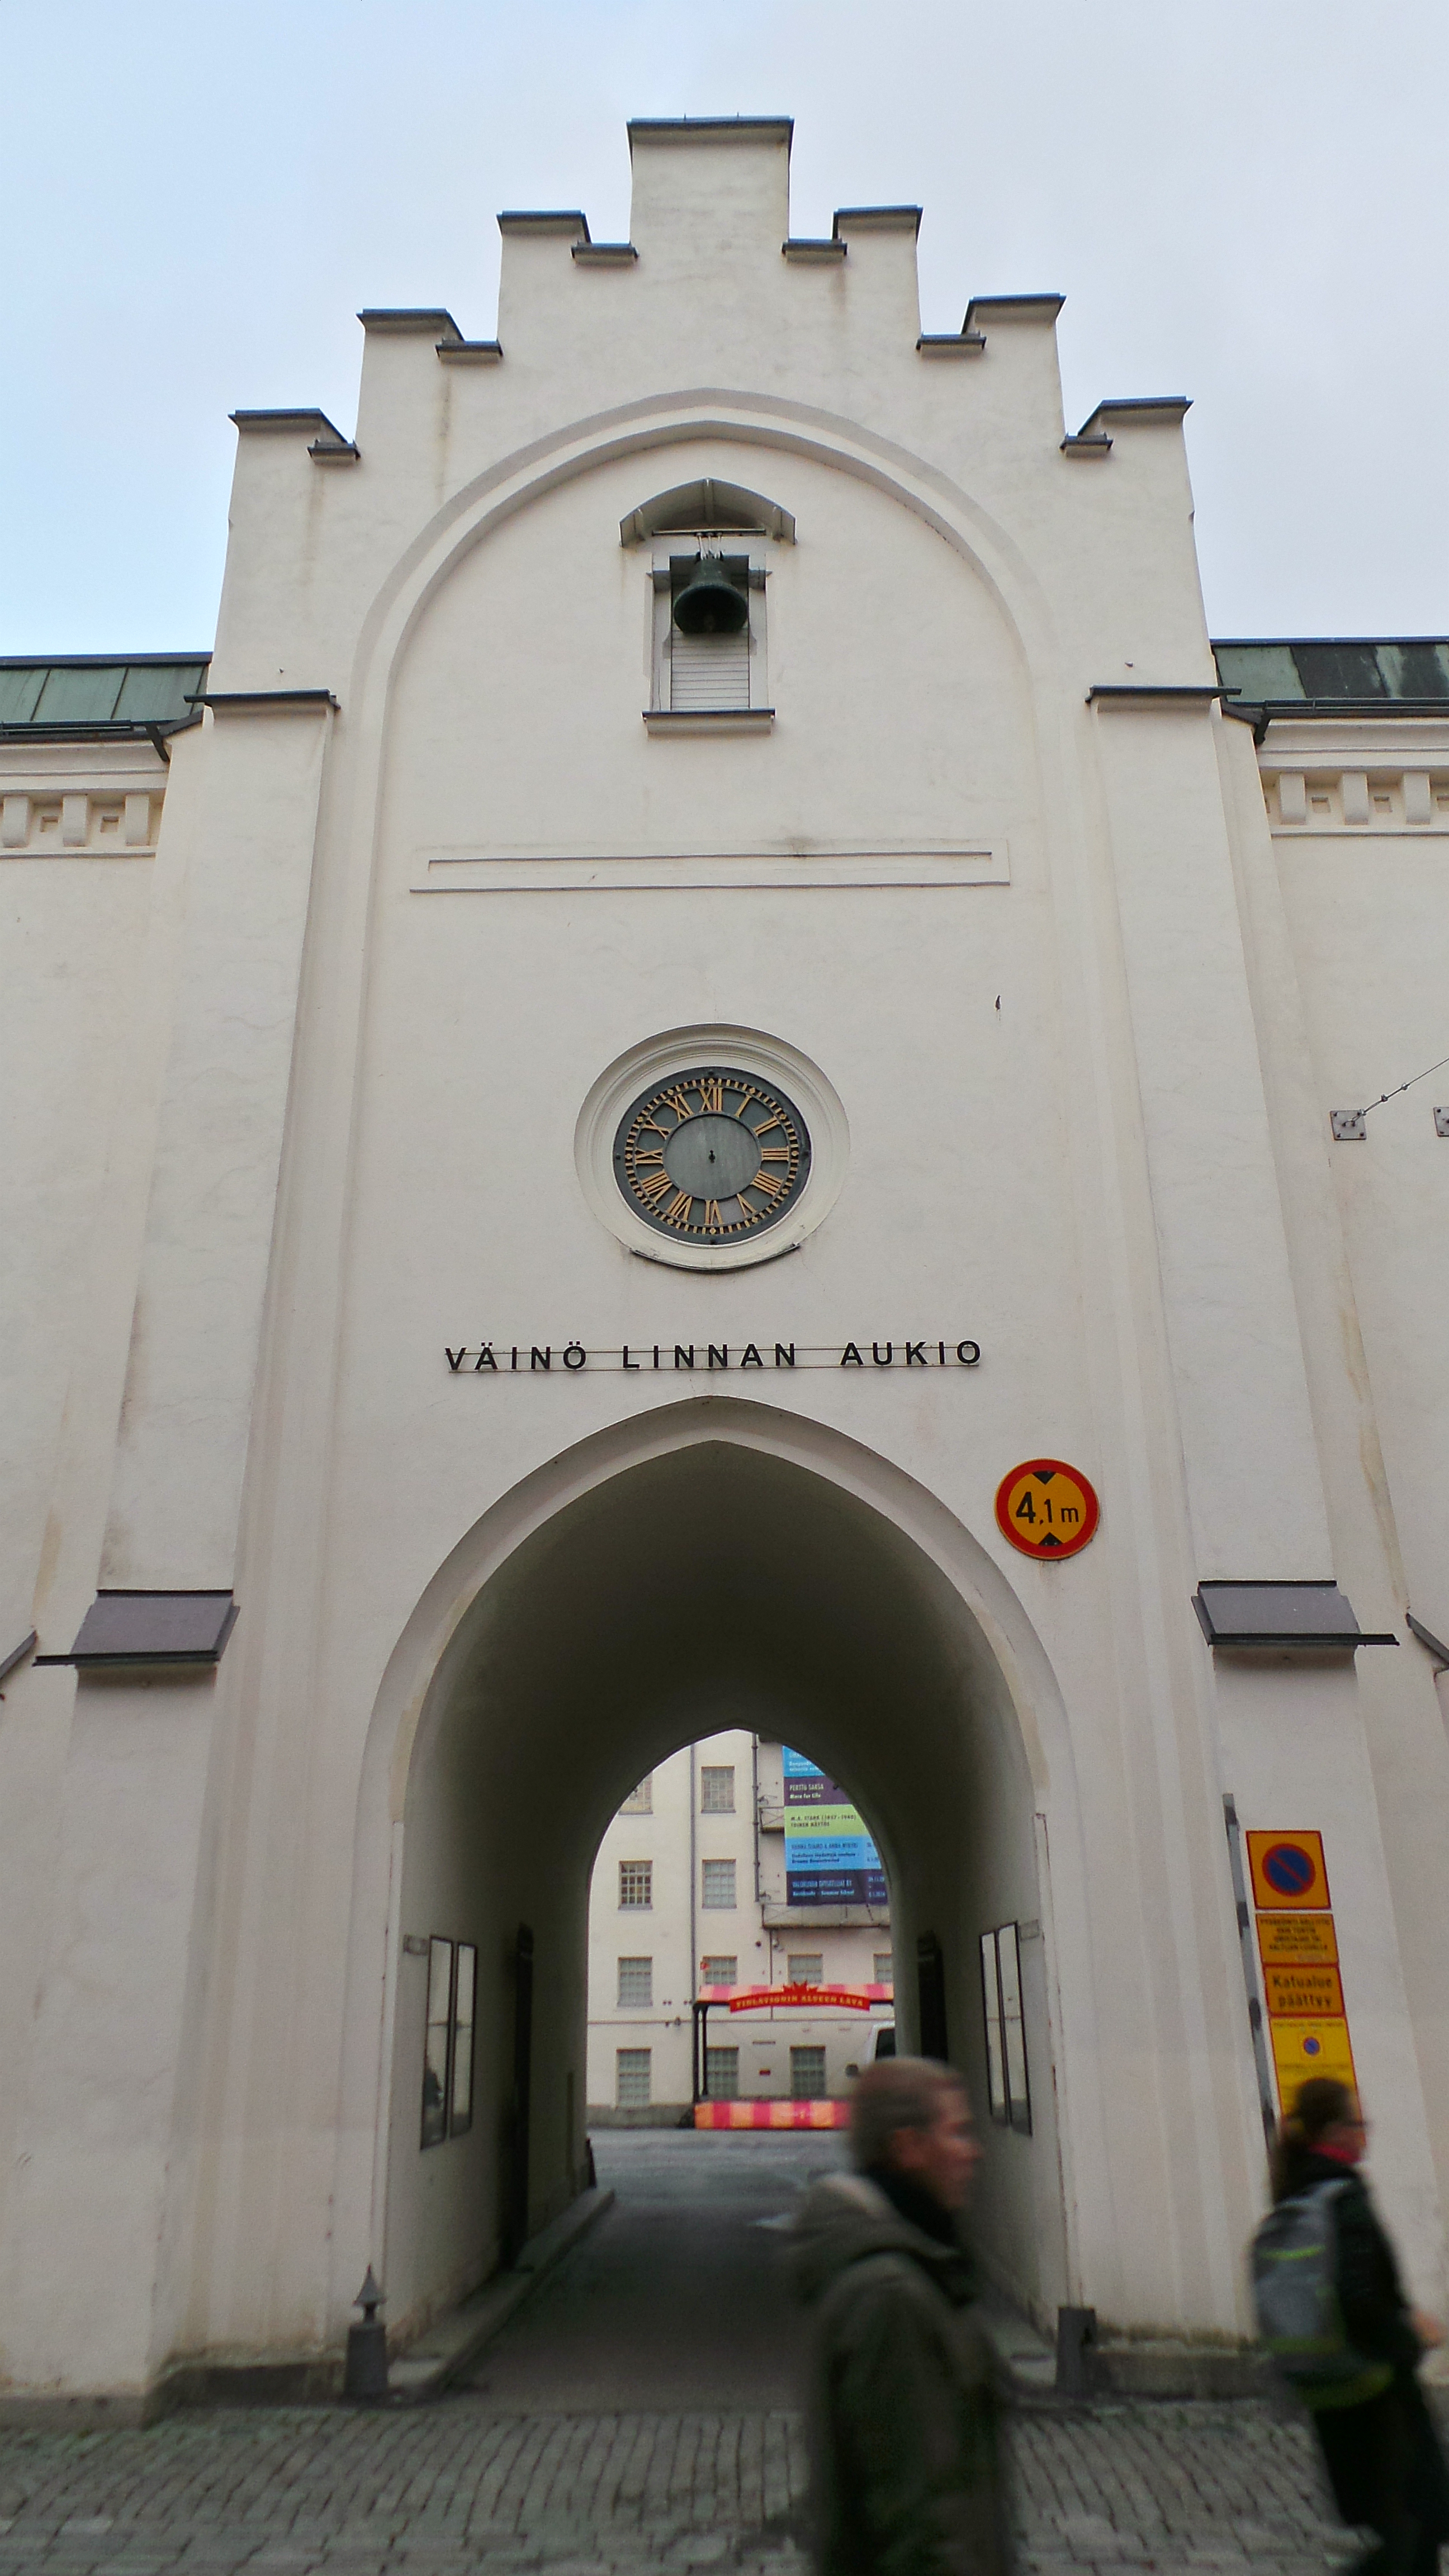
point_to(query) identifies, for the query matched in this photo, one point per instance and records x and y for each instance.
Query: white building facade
(689, 1907)
(563, 1139)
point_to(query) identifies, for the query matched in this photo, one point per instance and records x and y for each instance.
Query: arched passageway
(714, 1583)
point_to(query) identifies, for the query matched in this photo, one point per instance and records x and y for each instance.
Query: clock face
(712, 1155)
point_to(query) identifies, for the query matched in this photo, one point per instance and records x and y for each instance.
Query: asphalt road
(679, 2298)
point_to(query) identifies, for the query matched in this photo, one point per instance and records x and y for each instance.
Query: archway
(711, 1580)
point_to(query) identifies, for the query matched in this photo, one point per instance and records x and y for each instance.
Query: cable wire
(1404, 1086)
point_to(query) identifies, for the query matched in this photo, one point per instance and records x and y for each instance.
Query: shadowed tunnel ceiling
(722, 1586)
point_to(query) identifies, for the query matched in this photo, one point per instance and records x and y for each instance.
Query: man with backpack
(1333, 2314)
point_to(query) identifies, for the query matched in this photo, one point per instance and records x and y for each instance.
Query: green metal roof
(81, 696)
(77, 697)
(1328, 676)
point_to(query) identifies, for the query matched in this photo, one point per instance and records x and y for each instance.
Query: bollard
(365, 2376)
(1076, 2333)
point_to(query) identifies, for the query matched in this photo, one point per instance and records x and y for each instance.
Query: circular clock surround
(712, 1155)
(628, 1119)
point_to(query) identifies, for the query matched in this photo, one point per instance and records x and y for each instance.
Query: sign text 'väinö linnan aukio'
(534, 1359)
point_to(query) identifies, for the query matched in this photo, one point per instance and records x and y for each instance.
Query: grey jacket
(905, 2477)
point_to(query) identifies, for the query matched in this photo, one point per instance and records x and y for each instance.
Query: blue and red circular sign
(1289, 1869)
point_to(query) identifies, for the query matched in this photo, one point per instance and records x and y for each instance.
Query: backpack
(1295, 2293)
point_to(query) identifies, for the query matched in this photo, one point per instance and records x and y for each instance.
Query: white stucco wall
(1085, 1086)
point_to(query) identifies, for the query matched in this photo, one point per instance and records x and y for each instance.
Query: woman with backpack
(1380, 2449)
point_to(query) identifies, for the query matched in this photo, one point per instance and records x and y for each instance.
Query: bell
(710, 604)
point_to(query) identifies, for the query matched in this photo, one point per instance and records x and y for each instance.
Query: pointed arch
(966, 1753)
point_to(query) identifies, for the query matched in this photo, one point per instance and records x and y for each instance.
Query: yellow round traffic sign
(1047, 1509)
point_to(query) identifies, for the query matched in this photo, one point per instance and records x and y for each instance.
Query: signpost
(1298, 1950)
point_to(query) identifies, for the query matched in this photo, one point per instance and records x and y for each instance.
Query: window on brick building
(718, 1884)
(636, 1981)
(717, 1789)
(807, 2074)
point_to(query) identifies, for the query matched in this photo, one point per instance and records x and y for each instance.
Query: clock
(712, 1155)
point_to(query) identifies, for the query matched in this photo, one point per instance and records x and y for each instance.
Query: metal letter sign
(1047, 1509)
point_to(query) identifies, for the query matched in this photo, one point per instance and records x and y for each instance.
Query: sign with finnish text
(830, 1859)
(649, 1359)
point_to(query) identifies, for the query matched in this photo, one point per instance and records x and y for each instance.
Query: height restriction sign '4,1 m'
(1046, 1508)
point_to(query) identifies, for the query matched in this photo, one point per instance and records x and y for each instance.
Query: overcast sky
(1244, 202)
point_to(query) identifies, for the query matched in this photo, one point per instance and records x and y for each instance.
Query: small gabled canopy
(693, 507)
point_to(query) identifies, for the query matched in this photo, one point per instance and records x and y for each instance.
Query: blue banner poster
(829, 1857)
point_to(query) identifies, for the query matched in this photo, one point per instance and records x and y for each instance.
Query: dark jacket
(1375, 2311)
(903, 2437)
(1383, 2458)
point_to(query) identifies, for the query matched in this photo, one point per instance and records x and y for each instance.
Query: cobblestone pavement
(462, 2489)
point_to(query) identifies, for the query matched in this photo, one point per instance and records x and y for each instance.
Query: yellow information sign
(1293, 1990)
(1308, 1937)
(1304, 2048)
(1288, 1872)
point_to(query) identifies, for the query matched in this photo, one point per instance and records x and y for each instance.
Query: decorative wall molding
(1371, 799)
(593, 871)
(67, 823)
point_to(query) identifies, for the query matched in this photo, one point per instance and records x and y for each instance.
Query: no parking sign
(1288, 1873)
